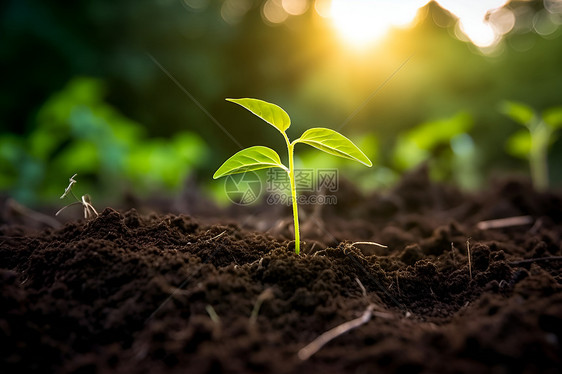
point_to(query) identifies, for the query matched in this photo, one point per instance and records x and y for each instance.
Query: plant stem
(538, 157)
(290, 148)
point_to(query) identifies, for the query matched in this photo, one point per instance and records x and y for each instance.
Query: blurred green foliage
(446, 145)
(78, 132)
(534, 142)
(169, 64)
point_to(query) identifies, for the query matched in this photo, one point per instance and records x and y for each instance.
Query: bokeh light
(273, 12)
(363, 22)
(295, 7)
(475, 19)
(483, 23)
(232, 11)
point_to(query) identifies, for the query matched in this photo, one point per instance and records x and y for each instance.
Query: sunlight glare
(363, 22)
(473, 20)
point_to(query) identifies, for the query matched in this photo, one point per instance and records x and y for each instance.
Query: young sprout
(259, 157)
(533, 143)
(89, 210)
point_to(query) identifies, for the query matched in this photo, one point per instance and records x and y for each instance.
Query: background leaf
(334, 143)
(520, 113)
(249, 159)
(270, 113)
(553, 117)
(519, 144)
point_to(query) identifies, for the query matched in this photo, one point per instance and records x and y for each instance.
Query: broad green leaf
(334, 143)
(520, 113)
(431, 134)
(407, 153)
(249, 159)
(519, 144)
(553, 117)
(270, 113)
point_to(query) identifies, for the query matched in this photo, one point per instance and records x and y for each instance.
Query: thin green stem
(290, 148)
(538, 157)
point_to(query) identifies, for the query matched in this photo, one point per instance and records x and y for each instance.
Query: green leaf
(249, 159)
(431, 134)
(407, 153)
(520, 113)
(334, 143)
(553, 117)
(519, 144)
(270, 113)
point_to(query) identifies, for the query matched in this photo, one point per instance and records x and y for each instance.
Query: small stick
(504, 222)
(469, 259)
(89, 210)
(370, 243)
(375, 313)
(216, 236)
(265, 295)
(381, 287)
(363, 290)
(213, 314)
(312, 248)
(216, 320)
(453, 253)
(306, 352)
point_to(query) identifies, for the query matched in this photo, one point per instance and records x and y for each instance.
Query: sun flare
(364, 22)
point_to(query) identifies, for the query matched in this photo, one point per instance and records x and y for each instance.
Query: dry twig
(306, 352)
(313, 347)
(265, 295)
(469, 258)
(504, 222)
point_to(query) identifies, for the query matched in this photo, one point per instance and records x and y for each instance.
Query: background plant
(260, 157)
(448, 147)
(216, 48)
(77, 130)
(534, 141)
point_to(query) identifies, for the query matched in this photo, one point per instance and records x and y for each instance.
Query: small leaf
(249, 159)
(520, 113)
(553, 117)
(519, 144)
(334, 143)
(432, 134)
(270, 113)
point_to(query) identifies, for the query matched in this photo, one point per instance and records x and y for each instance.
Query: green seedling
(259, 157)
(533, 143)
(89, 210)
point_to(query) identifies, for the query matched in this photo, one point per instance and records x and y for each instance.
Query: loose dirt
(171, 293)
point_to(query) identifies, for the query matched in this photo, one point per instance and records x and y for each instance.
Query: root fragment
(265, 295)
(469, 258)
(213, 314)
(504, 222)
(306, 352)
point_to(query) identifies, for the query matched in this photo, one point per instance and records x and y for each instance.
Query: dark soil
(149, 293)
